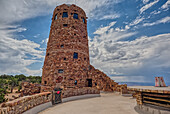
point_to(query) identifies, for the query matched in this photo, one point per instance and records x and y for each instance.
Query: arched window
(55, 17)
(75, 16)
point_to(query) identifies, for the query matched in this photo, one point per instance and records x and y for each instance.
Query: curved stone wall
(26, 103)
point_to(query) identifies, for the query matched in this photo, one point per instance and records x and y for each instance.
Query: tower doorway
(89, 82)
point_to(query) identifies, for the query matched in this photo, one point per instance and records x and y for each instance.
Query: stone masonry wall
(25, 103)
(79, 91)
(30, 89)
(102, 81)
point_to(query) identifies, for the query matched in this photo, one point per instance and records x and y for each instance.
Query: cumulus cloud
(16, 55)
(147, 6)
(114, 56)
(163, 20)
(12, 11)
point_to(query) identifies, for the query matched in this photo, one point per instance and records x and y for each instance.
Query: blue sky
(129, 40)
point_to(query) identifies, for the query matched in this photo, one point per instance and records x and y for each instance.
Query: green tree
(2, 95)
(13, 83)
(20, 77)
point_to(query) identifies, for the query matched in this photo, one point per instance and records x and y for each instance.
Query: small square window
(55, 17)
(60, 71)
(64, 58)
(62, 46)
(65, 14)
(64, 25)
(75, 16)
(75, 56)
(84, 58)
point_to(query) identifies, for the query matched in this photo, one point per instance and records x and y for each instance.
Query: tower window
(45, 82)
(84, 58)
(48, 54)
(64, 58)
(60, 71)
(84, 20)
(55, 17)
(75, 82)
(64, 25)
(62, 46)
(75, 56)
(65, 14)
(75, 16)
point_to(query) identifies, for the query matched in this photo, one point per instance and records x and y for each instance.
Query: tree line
(9, 82)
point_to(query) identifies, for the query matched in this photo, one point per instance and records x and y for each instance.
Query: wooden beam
(158, 104)
(156, 95)
(157, 99)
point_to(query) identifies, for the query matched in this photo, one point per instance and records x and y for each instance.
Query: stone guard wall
(80, 91)
(25, 103)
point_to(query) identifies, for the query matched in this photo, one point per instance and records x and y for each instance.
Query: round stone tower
(67, 55)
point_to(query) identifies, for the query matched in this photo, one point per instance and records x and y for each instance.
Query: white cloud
(163, 20)
(104, 29)
(115, 56)
(166, 5)
(145, 1)
(12, 11)
(37, 35)
(147, 6)
(45, 41)
(16, 55)
(156, 12)
(121, 29)
(112, 16)
(137, 21)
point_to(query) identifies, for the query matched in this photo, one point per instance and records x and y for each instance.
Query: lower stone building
(95, 79)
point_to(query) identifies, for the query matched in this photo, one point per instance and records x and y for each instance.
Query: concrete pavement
(108, 103)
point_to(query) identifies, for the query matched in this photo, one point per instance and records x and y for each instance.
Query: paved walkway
(151, 87)
(108, 103)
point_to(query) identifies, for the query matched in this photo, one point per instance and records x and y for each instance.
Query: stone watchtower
(67, 55)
